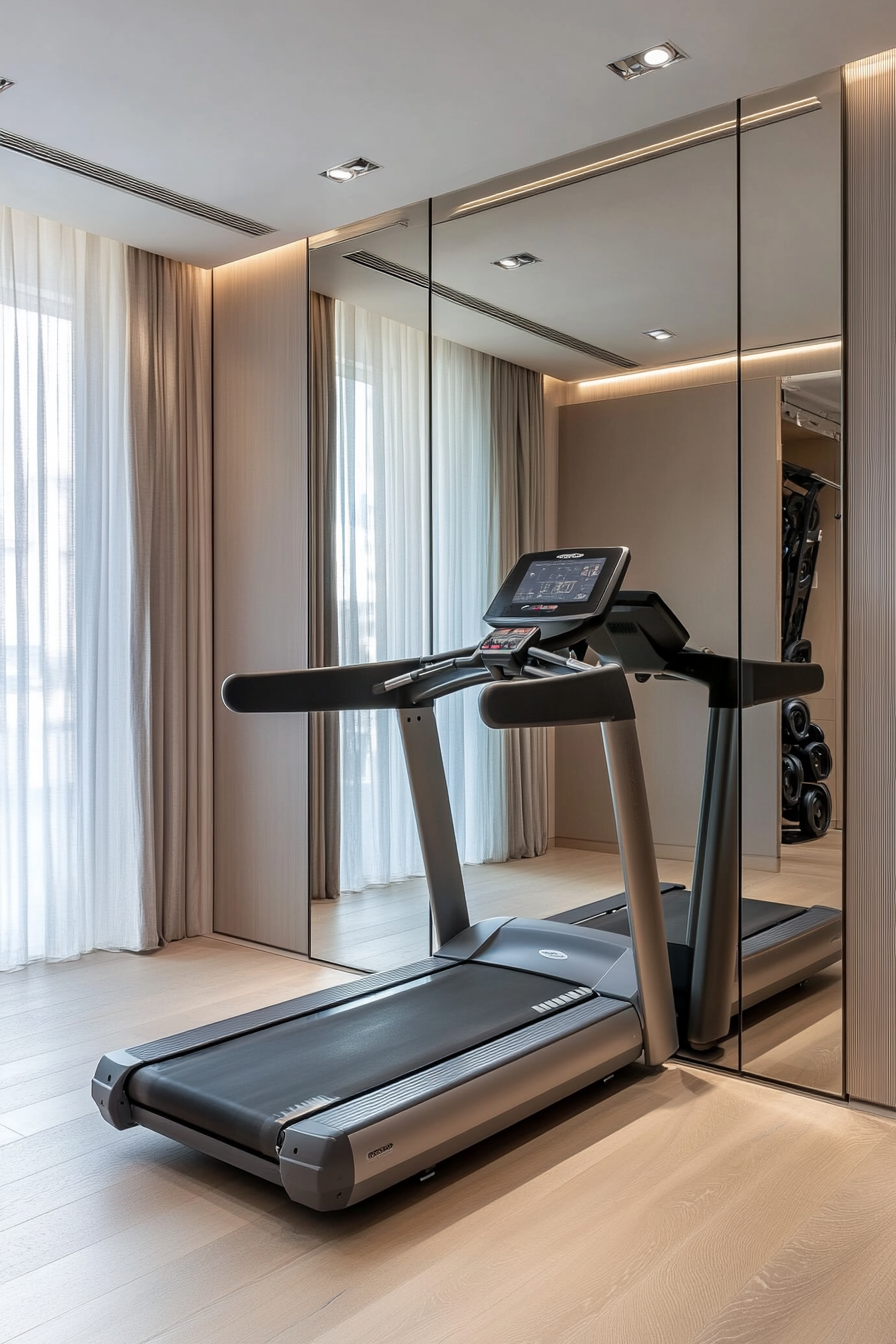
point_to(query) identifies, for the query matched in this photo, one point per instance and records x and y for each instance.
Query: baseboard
(684, 853)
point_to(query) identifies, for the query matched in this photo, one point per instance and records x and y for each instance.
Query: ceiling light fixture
(5, 84)
(657, 57)
(659, 334)
(514, 262)
(720, 130)
(345, 172)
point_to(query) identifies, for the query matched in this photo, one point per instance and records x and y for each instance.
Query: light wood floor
(679, 1208)
(795, 1038)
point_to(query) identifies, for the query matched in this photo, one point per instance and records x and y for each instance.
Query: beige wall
(260, 543)
(658, 473)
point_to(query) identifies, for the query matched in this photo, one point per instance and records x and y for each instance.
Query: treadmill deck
(242, 1089)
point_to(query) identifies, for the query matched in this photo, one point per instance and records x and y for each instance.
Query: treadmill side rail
(344, 1155)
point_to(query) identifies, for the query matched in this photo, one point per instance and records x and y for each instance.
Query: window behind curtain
(385, 584)
(70, 843)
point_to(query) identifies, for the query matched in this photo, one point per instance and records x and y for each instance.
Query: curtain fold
(169, 336)
(71, 867)
(517, 411)
(324, 738)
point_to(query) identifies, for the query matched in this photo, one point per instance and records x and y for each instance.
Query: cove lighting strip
(721, 131)
(720, 361)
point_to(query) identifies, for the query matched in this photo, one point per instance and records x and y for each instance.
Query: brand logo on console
(570, 555)
(552, 953)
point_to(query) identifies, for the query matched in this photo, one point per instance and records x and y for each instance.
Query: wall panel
(870, 506)
(260, 503)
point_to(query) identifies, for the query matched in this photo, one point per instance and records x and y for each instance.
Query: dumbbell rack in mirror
(807, 762)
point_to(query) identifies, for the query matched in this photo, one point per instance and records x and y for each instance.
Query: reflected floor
(794, 1037)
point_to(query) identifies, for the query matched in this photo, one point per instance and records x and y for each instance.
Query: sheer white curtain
(384, 580)
(382, 574)
(70, 833)
(465, 577)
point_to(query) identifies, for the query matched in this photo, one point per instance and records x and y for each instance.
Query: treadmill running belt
(756, 917)
(235, 1089)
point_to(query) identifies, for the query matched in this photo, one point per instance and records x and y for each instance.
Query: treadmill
(780, 945)
(339, 1094)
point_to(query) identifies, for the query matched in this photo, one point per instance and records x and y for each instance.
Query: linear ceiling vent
(32, 149)
(489, 310)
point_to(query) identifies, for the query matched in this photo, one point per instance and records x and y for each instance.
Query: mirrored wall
(635, 345)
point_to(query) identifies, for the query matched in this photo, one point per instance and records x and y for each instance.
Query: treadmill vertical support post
(713, 918)
(642, 888)
(435, 826)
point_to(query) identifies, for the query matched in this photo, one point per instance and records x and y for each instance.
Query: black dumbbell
(792, 776)
(816, 760)
(815, 810)
(795, 720)
(798, 651)
(815, 733)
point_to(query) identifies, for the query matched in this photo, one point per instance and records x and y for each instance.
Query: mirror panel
(791, 564)
(371, 548)
(629, 237)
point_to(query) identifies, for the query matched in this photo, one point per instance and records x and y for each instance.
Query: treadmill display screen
(547, 583)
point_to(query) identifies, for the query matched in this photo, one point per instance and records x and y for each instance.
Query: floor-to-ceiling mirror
(604, 284)
(370, 572)
(792, 529)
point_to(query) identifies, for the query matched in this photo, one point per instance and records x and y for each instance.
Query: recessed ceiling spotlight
(659, 334)
(514, 262)
(344, 172)
(656, 57)
(6, 84)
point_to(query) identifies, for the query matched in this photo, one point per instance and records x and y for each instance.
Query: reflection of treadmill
(781, 945)
(339, 1094)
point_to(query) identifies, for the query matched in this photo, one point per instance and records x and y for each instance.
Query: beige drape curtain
(170, 396)
(324, 651)
(517, 411)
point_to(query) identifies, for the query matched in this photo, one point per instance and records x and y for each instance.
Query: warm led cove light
(715, 362)
(345, 172)
(514, 262)
(718, 131)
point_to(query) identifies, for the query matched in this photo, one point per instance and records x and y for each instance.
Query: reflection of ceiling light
(659, 334)
(720, 130)
(5, 84)
(642, 62)
(344, 172)
(516, 261)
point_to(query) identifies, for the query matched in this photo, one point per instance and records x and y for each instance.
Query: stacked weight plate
(806, 764)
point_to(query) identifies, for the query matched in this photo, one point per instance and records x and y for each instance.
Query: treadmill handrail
(310, 689)
(762, 682)
(597, 695)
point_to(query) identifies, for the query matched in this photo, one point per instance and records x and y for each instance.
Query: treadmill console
(560, 590)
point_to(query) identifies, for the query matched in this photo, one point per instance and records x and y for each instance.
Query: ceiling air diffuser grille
(32, 149)
(490, 310)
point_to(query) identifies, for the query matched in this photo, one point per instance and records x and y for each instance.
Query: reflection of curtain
(487, 473)
(382, 574)
(170, 381)
(325, 823)
(70, 822)
(466, 574)
(517, 412)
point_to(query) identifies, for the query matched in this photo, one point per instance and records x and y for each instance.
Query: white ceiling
(241, 105)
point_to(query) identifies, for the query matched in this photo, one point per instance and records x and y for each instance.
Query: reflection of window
(389, 594)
